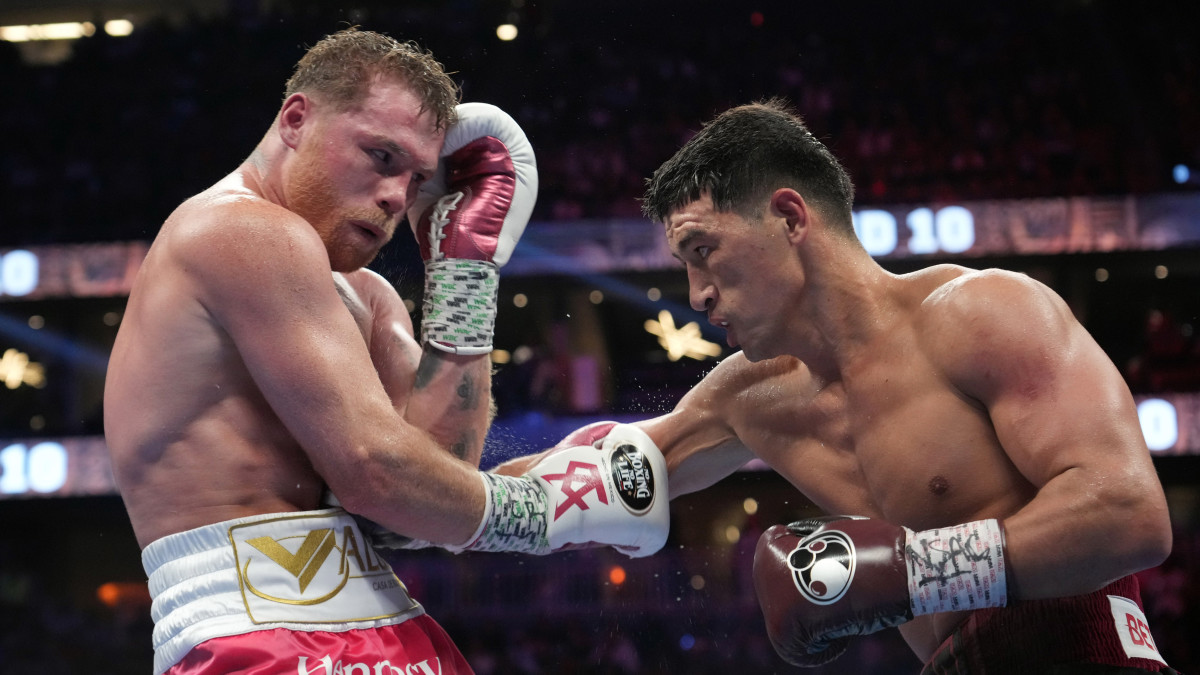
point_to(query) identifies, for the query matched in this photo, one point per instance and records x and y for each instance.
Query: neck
(262, 171)
(844, 305)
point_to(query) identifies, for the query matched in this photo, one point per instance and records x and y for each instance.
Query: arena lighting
(16, 369)
(612, 287)
(118, 27)
(115, 593)
(682, 341)
(506, 32)
(616, 575)
(72, 30)
(61, 347)
(48, 31)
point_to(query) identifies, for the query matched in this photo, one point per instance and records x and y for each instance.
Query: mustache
(379, 218)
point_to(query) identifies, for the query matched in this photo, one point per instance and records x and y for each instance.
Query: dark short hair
(742, 156)
(341, 67)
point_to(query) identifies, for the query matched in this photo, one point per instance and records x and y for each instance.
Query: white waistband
(306, 571)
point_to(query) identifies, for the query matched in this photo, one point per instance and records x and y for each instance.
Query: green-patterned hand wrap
(460, 305)
(515, 518)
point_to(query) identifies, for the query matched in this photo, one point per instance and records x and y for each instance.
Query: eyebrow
(395, 148)
(683, 242)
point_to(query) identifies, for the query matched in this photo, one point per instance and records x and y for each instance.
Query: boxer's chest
(929, 455)
(894, 440)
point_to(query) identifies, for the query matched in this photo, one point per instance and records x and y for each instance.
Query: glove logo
(579, 479)
(634, 478)
(822, 567)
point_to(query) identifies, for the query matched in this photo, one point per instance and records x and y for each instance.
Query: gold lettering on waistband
(350, 548)
(306, 561)
(314, 567)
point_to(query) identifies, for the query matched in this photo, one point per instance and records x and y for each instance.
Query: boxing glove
(821, 580)
(609, 489)
(467, 219)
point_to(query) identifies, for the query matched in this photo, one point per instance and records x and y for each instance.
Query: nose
(701, 292)
(396, 193)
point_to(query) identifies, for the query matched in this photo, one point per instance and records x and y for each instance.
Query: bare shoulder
(373, 288)
(239, 224)
(233, 242)
(978, 322)
(990, 303)
(386, 311)
(369, 282)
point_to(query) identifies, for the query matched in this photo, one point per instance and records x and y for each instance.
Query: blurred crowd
(996, 101)
(1000, 100)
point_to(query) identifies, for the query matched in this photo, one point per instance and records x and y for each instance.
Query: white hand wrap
(460, 305)
(956, 568)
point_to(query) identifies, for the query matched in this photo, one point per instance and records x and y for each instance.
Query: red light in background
(756, 19)
(616, 574)
(117, 593)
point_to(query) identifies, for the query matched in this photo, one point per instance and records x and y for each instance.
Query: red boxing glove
(820, 581)
(467, 219)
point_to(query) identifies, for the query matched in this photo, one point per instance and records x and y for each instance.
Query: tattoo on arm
(462, 449)
(468, 393)
(427, 368)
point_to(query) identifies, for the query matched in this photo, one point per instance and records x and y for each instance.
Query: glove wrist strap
(515, 518)
(460, 305)
(956, 568)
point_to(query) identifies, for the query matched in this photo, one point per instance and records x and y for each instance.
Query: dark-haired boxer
(259, 366)
(989, 451)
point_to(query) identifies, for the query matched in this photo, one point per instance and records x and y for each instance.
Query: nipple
(938, 485)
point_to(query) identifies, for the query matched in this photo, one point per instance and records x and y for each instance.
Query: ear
(786, 203)
(295, 111)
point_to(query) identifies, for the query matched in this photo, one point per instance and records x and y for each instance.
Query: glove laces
(439, 218)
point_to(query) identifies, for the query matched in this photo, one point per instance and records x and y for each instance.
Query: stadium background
(1067, 131)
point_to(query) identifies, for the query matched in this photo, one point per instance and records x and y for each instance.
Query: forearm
(451, 400)
(404, 480)
(1082, 531)
(698, 454)
(622, 504)
(519, 465)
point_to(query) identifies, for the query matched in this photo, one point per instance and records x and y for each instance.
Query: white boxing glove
(467, 219)
(609, 490)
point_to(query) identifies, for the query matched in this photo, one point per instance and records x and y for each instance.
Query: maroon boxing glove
(467, 219)
(821, 580)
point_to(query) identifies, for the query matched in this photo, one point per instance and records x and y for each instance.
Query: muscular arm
(452, 399)
(1068, 423)
(447, 395)
(698, 437)
(309, 360)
